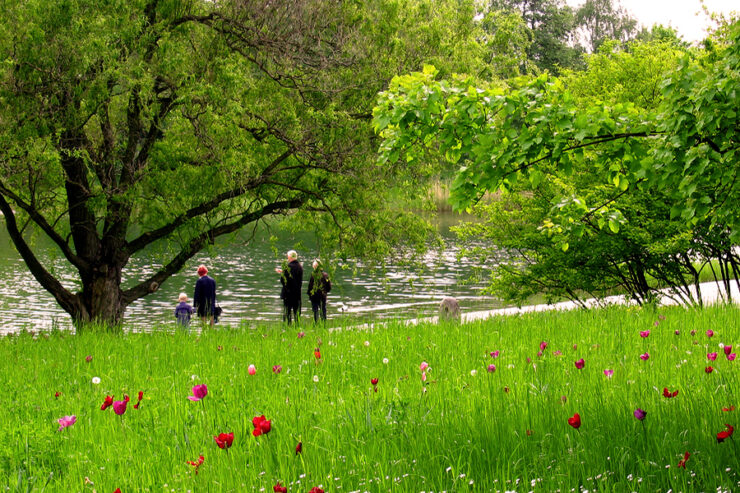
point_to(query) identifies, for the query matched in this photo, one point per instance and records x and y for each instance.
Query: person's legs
(286, 313)
(323, 309)
(315, 305)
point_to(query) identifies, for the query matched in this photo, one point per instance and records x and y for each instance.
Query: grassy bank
(463, 429)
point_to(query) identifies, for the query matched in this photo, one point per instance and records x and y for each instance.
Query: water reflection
(248, 288)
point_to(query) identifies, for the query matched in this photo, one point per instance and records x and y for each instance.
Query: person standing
(204, 298)
(183, 311)
(292, 280)
(319, 286)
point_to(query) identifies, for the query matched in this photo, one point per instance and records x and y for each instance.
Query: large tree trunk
(102, 298)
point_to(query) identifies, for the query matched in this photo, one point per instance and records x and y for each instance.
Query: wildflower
(367, 343)
(108, 402)
(723, 435)
(224, 440)
(580, 363)
(316, 379)
(557, 352)
(301, 334)
(726, 409)
(317, 353)
(712, 356)
(279, 489)
(117, 490)
(251, 370)
(88, 358)
(299, 448)
(374, 381)
(575, 421)
(731, 357)
(644, 333)
(669, 395)
(95, 380)
(277, 369)
(727, 350)
(491, 368)
(219, 348)
(316, 489)
(608, 373)
(563, 399)
(645, 356)
(423, 366)
(199, 392)
(385, 361)
(196, 464)
(506, 389)
(682, 462)
(575, 346)
(57, 394)
(138, 402)
(710, 333)
(262, 425)
(677, 332)
(543, 345)
(640, 414)
(473, 373)
(494, 354)
(66, 421)
(708, 369)
(424, 377)
(530, 433)
(119, 407)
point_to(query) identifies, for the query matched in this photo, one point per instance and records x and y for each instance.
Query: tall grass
(464, 429)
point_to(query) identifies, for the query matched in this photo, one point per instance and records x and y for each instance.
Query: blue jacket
(205, 293)
(183, 311)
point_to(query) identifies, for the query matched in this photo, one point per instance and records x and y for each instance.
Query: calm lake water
(249, 289)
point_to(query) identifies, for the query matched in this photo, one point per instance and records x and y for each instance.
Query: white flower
(385, 361)
(193, 377)
(473, 373)
(96, 380)
(721, 345)
(367, 343)
(316, 378)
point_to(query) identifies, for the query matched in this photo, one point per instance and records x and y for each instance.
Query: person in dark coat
(292, 280)
(318, 287)
(204, 299)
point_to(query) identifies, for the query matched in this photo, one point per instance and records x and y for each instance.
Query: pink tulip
(731, 357)
(423, 377)
(423, 366)
(580, 363)
(712, 356)
(677, 332)
(494, 354)
(543, 345)
(539, 354)
(66, 421)
(491, 368)
(693, 332)
(644, 356)
(277, 369)
(557, 352)
(727, 350)
(199, 392)
(301, 335)
(119, 407)
(252, 370)
(644, 333)
(609, 373)
(710, 333)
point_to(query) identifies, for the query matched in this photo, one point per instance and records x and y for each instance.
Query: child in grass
(183, 311)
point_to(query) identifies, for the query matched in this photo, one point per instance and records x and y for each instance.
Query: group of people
(291, 279)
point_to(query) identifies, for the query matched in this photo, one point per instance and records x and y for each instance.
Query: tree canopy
(126, 125)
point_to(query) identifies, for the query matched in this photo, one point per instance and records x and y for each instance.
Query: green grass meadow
(463, 429)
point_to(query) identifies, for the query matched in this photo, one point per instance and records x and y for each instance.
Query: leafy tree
(682, 151)
(160, 124)
(551, 26)
(599, 20)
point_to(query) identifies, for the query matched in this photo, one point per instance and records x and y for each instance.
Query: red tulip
(279, 489)
(708, 369)
(141, 396)
(261, 425)
(57, 394)
(299, 448)
(196, 464)
(118, 490)
(88, 358)
(682, 462)
(580, 363)
(575, 421)
(728, 350)
(107, 403)
(317, 353)
(316, 489)
(224, 440)
(723, 435)
(668, 394)
(727, 409)
(374, 381)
